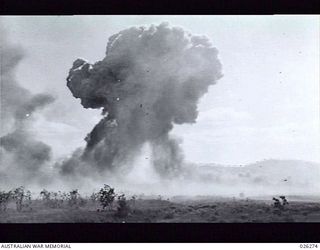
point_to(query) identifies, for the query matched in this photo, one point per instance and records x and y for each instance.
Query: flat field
(188, 210)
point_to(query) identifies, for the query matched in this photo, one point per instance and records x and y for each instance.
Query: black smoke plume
(149, 80)
(21, 155)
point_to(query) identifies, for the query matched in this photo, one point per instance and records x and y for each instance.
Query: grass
(155, 210)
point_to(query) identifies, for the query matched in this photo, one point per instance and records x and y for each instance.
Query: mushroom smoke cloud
(150, 79)
(21, 155)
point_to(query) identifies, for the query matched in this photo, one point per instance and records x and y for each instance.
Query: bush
(106, 196)
(133, 201)
(279, 205)
(74, 198)
(27, 200)
(45, 196)
(284, 200)
(52, 199)
(94, 197)
(4, 200)
(123, 209)
(22, 198)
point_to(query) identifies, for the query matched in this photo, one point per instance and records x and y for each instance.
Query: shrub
(27, 200)
(4, 200)
(52, 199)
(74, 198)
(64, 196)
(45, 196)
(279, 205)
(284, 200)
(60, 199)
(106, 196)
(22, 198)
(18, 194)
(94, 197)
(123, 209)
(133, 200)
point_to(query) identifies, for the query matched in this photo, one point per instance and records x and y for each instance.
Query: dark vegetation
(106, 205)
(106, 199)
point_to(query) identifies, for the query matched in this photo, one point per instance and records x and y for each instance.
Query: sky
(265, 106)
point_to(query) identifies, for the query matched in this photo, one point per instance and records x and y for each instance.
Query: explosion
(150, 79)
(21, 155)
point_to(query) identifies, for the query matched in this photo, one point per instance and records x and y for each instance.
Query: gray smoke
(150, 79)
(21, 154)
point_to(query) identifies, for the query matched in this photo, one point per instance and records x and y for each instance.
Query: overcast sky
(265, 106)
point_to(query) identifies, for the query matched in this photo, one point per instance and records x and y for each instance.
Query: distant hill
(291, 176)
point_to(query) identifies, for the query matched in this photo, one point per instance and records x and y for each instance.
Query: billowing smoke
(22, 156)
(150, 79)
